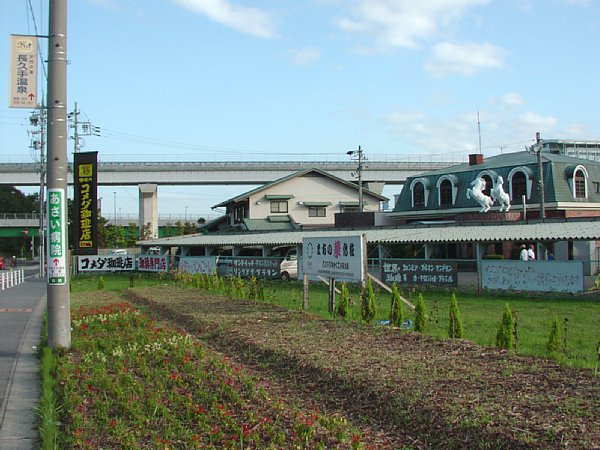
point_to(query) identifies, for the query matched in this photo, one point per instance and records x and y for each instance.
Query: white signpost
(23, 72)
(338, 257)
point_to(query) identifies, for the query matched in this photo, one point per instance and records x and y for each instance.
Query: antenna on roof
(479, 131)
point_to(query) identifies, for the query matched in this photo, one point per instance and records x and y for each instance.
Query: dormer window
(520, 181)
(447, 188)
(578, 179)
(420, 192)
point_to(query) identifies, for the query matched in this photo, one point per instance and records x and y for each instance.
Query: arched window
(419, 195)
(520, 181)
(578, 177)
(447, 188)
(519, 187)
(445, 193)
(419, 188)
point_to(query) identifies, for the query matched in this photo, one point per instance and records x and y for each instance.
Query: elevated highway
(223, 173)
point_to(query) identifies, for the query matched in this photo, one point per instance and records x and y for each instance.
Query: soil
(401, 389)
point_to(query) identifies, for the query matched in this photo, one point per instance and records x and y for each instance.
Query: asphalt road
(21, 309)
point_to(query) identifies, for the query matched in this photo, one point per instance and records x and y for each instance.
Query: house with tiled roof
(306, 199)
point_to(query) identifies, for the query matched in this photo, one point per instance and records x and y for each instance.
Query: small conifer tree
(396, 311)
(343, 307)
(455, 329)
(101, 283)
(369, 304)
(420, 315)
(504, 337)
(554, 339)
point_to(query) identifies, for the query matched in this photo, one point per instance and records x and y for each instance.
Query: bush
(504, 337)
(369, 304)
(343, 307)
(553, 343)
(396, 311)
(420, 315)
(455, 329)
(101, 283)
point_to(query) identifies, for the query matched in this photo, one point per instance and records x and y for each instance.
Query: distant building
(306, 199)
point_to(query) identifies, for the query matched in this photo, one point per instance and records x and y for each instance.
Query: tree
(396, 311)
(369, 303)
(504, 337)
(553, 343)
(343, 308)
(455, 329)
(420, 315)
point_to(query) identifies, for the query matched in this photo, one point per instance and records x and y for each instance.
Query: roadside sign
(57, 237)
(338, 257)
(23, 72)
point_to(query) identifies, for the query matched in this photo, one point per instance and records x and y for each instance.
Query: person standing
(523, 256)
(530, 253)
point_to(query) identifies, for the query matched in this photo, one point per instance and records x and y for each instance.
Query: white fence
(11, 278)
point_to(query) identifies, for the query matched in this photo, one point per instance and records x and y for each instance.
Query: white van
(288, 268)
(118, 252)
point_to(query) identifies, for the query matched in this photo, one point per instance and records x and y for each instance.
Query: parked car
(288, 268)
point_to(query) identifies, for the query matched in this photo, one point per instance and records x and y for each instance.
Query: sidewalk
(21, 312)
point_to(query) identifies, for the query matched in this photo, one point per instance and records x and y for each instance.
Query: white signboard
(153, 263)
(57, 237)
(23, 72)
(338, 257)
(198, 264)
(537, 276)
(110, 263)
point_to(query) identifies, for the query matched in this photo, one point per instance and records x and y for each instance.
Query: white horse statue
(499, 195)
(476, 193)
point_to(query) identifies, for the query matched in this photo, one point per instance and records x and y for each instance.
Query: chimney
(475, 159)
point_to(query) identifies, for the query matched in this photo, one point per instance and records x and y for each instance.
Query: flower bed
(130, 382)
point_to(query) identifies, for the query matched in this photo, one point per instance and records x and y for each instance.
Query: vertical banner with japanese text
(85, 177)
(57, 237)
(23, 71)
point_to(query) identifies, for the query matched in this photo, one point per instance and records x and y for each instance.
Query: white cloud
(513, 99)
(246, 20)
(304, 56)
(403, 23)
(465, 59)
(531, 122)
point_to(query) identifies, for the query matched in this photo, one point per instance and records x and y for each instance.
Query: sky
(241, 80)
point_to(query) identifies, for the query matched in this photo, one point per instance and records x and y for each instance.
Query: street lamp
(357, 155)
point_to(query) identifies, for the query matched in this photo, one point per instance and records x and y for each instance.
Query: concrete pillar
(148, 210)
(374, 186)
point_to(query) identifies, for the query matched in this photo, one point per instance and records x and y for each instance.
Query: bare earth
(403, 390)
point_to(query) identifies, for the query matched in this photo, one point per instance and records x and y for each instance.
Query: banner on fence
(153, 263)
(198, 264)
(537, 276)
(109, 263)
(419, 272)
(337, 257)
(254, 267)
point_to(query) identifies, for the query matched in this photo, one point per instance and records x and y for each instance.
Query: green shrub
(396, 311)
(455, 329)
(101, 283)
(343, 307)
(369, 304)
(553, 343)
(420, 315)
(504, 337)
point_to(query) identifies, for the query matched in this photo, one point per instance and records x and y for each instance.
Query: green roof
(279, 197)
(317, 203)
(267, 225)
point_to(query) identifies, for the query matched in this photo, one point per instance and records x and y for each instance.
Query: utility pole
(539, 143)
(358, 156)
(40, 120)
(58, 295)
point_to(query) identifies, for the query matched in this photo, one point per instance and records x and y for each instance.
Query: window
(580, 176)
(489, 184)
(317, 211)
(279, 206)
(519, 187)
(446, 193)
(419, 195)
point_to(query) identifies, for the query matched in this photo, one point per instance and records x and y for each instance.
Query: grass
(481, 313)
